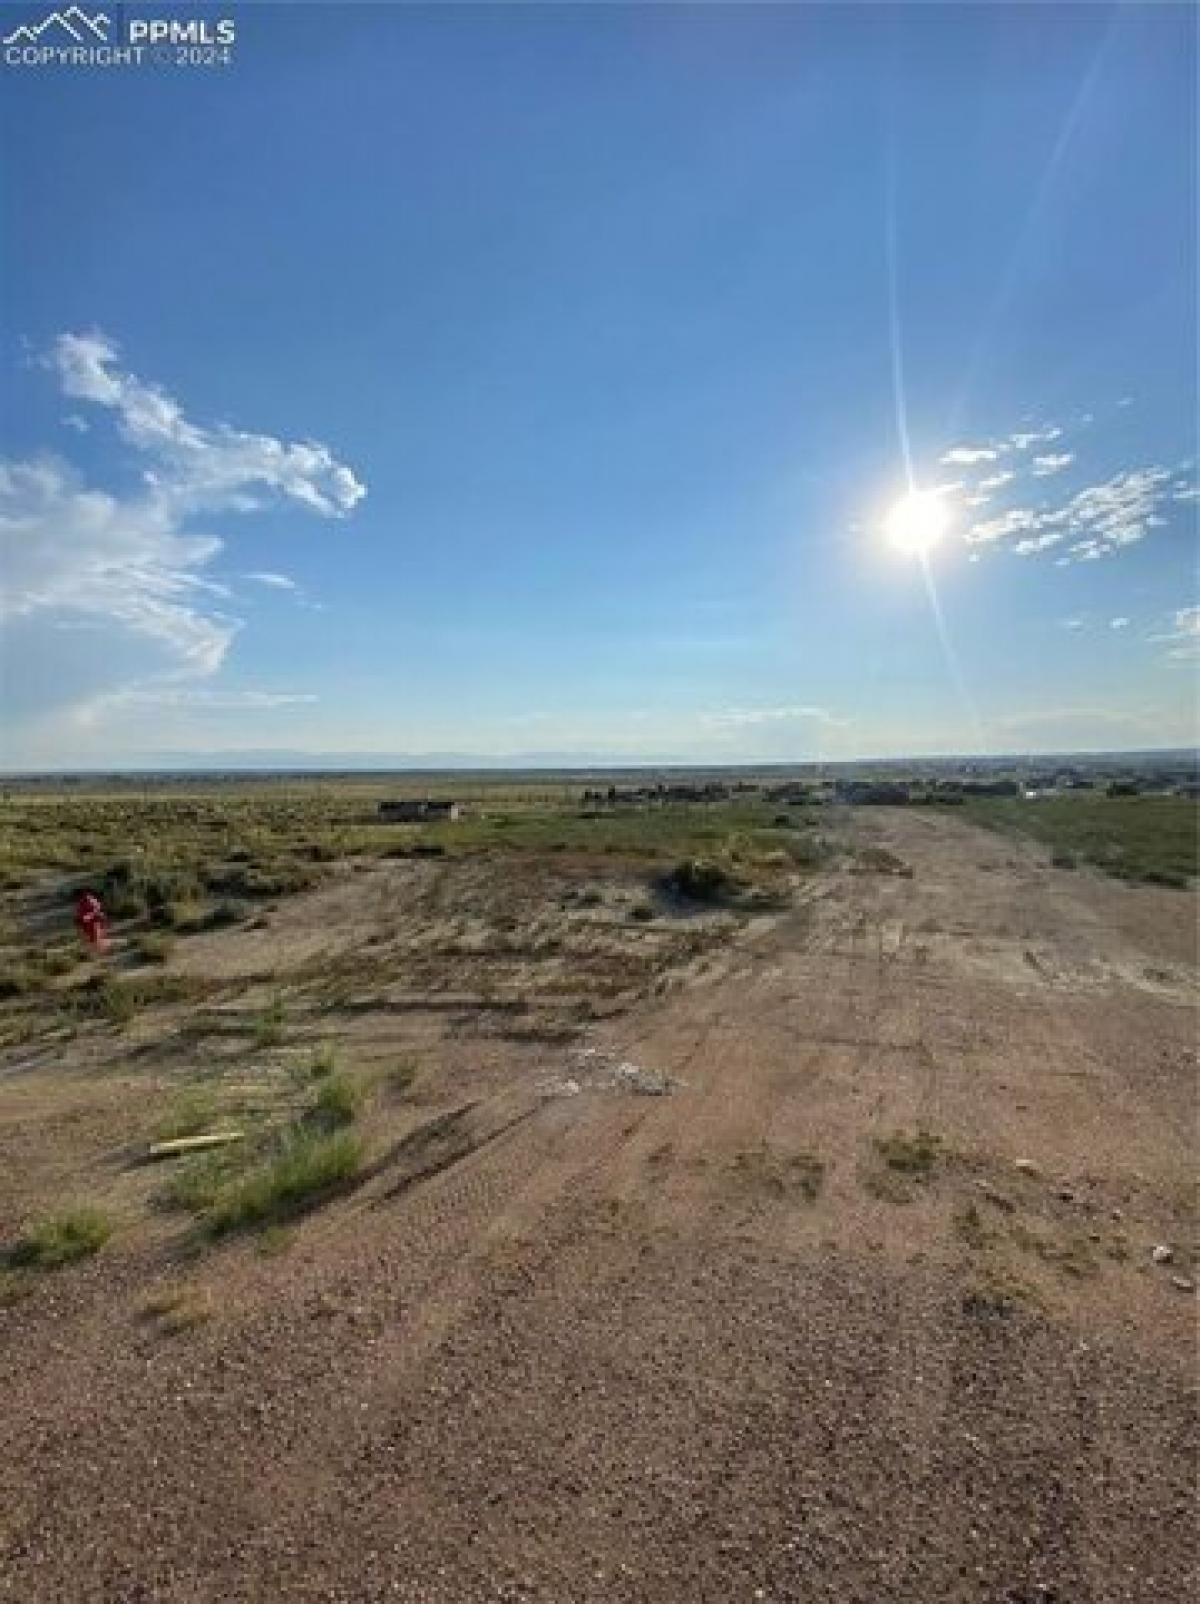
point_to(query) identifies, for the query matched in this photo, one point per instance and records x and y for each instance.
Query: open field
(740, 1200)
(1148, 838)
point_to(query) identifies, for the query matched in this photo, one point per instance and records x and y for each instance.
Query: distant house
(418, 810)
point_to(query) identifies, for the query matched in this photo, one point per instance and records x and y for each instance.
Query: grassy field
(158, 848)
(171, 859)
(1153, 839)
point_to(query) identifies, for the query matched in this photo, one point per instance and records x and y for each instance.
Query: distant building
(418, 810)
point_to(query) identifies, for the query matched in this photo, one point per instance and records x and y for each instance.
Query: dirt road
(573, 1342)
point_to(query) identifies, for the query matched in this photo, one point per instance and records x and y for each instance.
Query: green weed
(307, 1168)
(75, 1233)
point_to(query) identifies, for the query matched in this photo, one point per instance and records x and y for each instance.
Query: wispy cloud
(1094, 522)
(1053, 462)
(740, 717)
(968, 456)
(1018, 521)
(133, 564)
(188, 699)
(1118, 623)
(1182, 634)
(1022, 440)
(273, 581)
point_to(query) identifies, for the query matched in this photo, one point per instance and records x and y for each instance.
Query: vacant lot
(1153, 839)
(706, 1203)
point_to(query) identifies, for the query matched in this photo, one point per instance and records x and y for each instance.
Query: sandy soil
(573, 1342)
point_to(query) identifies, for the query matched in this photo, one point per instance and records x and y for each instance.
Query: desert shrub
(402, 1074)
(153, 949)
(338, 1100)
(1063, 860)
(16, 981)
(642, 912)
(61, 960)
(62, 1238)
(268, 1027)
(765, 1169)
(174, 1309)
(280, 877)
(113, 1000)
(912, 1153)
(196, 1182)
(323, 1062)
(700, 880)
(308, 1167)
(969, 1224)
(138, 885)
(1164, 877)
(193, 1111)
(229, 911)
(179, 914)
(806, 851)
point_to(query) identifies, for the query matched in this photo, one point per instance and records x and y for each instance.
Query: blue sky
(553, 365)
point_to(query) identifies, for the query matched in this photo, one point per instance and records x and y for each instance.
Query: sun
(917, 522)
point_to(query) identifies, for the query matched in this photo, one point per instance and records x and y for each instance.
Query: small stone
(1182, 1282)
(1163, 1254)
(1026, 1166)
(1066, 1195)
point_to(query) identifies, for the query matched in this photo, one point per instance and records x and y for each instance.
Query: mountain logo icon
(74, 22)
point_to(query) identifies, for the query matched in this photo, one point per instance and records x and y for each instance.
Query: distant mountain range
(278, 760)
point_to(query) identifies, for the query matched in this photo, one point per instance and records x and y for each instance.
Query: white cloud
(1072, 623)
(273, 581)
(997, 481)
(1053, 462)
(737, 718)
(109, 593)
(208, 469)
(967, 456)
(1096, 521)
(1117, 513)
(1018, 521)
(1118, 623)
(1021, 441)
(1035, 543)
(194, 699)
(74, 421)
(1182, 634)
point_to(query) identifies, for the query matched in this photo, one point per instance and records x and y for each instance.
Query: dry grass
(768, 1170)
(911, 1153)
(75, 1233)
(177, 1308)
(306, 1170)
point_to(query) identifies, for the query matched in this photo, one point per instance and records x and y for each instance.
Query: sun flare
(917, 522)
